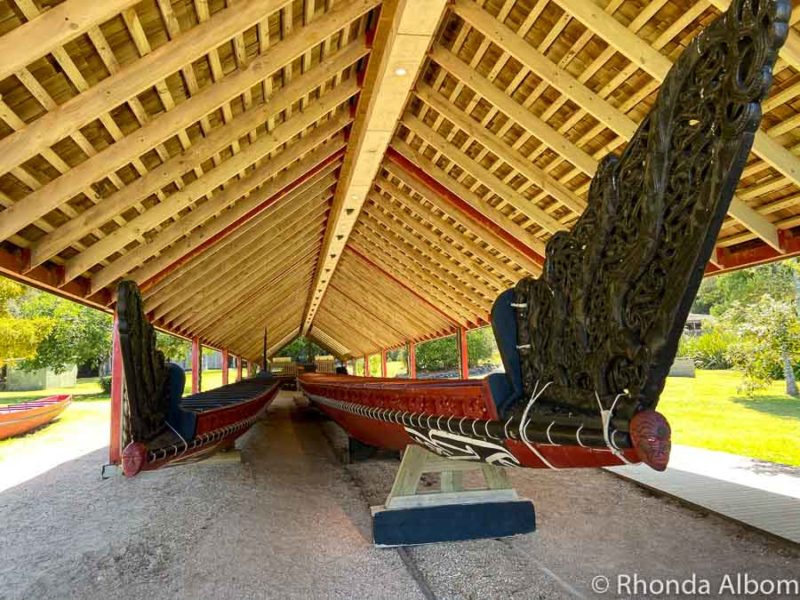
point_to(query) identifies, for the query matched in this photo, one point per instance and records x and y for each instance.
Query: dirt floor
(293, 521)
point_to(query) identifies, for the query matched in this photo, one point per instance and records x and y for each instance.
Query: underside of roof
(366, 173)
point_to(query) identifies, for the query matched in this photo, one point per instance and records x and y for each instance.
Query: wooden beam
(228, 170)
(366, 260)
(416, 178)
(117, 385)
(657, 66)
(209, 234)
(197, 365)
(404, 33)
(427, 284)
(48, 278)
(477, 171)
(469, 203)
(169, 58)
(214, 142)
(52, 29)
(463, 353)
(467, 245)
(242, 275)
(224, 366)
(550, 137)
(474, 129)
(158, 130)
(635, 49)
(412, 360)
(249, 240)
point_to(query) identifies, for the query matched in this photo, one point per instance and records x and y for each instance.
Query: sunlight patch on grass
(709, 412)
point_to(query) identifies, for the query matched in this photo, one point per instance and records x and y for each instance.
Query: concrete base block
(451, 523)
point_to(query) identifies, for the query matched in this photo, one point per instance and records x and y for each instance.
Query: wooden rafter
(404, 33)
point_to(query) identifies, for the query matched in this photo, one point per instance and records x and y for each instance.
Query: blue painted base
(452, 523)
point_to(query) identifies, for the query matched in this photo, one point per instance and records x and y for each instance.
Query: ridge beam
(404, 34)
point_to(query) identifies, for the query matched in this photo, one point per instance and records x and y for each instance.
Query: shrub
(105, 383)
(709, 350)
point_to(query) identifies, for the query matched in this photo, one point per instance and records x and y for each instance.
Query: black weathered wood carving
(605, 317)
(146, 400)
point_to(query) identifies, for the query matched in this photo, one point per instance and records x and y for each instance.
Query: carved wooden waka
(587, 346)
(160, 426)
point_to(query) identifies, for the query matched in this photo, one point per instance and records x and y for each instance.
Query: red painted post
(463, 352)
(196, 365)
(238, 368)
(117, 374)
(224, 366)
(412, 360)
(366, 366)
(383, 363)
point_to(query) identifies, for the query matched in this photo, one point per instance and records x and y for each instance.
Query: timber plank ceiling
(364, 172)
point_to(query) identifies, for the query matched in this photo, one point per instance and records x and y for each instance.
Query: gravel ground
(293, 522)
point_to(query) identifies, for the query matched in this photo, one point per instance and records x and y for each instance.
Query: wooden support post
(224, 366)
(412, 360)
(117, 375)
(453, 512)
(197, 365)
(238, 368)
(463, 352)
(383, 364)
(366, 366)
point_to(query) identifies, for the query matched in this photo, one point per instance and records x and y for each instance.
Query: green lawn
(709, 412)
(86, 389)
(211, 379)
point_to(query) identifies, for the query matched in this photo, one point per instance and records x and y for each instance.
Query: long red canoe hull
(216, 429)
(17, 419)
(451, 418)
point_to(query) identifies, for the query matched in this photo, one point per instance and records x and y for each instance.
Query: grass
(709, 412)
(211, 379)
(86, 389)
(706, 412)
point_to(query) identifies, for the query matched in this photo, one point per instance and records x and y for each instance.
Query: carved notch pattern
(146, 401)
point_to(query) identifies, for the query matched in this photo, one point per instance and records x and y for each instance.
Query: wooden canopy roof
(363, 172)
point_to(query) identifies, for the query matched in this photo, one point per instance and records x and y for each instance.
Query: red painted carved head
(133, 458)
(651, 436)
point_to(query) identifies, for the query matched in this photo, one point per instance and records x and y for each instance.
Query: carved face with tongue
(651, 436)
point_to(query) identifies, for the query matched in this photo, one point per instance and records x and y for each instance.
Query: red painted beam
(756, 252)
(117, 374)
(224, 366)
(366, 366)
(463, 207)
(463, 352)
(49, 278)
(197, 365)
(412, 360)
(240, 221)
(383, 363)
(383, 271)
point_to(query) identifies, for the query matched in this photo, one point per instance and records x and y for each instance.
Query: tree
(438, 355)
(768, 332)
(480, 346)
(19, 337)
(301, 349)
(717, 294)
(174, 348)
(79, 335)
